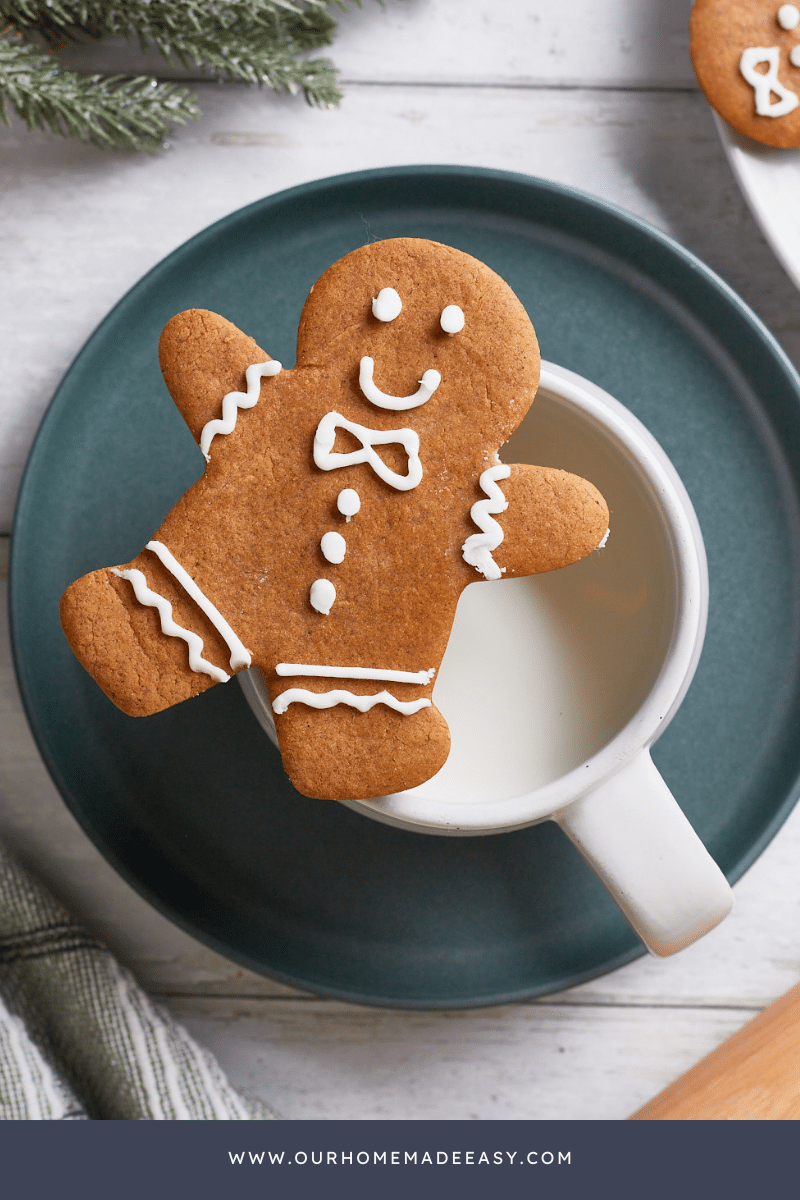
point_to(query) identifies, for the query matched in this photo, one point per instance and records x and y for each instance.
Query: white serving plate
(770, 182)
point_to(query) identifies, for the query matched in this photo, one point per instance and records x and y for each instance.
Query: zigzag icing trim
(240, 657)
(331, 699)
(168, 626)
(236, 400)
(478, 549)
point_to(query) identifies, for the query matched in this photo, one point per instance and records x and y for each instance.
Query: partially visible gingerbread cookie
(345, 506)
(747, 57)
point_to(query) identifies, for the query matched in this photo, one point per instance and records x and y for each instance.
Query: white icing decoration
(240, 657)
(764, 84)
(387, 305)
(236, 400)
(794, 57)
(348, 502)
(170, 627)
(427, 386)
(788, 16)
(452, 319)
(322, 596)
(333, 547)
(601, 545)
(309, 669)
(326, 460)
(331, 699)
(477, 549)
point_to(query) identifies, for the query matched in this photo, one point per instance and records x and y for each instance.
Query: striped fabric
(79, 1039)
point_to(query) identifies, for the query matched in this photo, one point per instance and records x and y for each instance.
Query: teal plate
(192, 805)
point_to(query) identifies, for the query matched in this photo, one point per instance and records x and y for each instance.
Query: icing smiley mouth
(427, 386)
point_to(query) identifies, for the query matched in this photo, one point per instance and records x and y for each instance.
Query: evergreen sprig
(108, 111)
(258, 42)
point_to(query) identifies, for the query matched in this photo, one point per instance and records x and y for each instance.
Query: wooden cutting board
(754, 1076)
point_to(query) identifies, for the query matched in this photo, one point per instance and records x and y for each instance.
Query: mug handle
(634, 836)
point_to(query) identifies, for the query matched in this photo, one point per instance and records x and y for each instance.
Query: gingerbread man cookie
(345, 505)
(747, 57)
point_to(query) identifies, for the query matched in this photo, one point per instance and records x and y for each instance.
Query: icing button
(333, 547)
(322, 596)
(348, 502)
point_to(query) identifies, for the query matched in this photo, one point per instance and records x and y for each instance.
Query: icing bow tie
(328, 460)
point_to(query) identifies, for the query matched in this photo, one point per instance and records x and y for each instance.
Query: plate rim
(261, 206)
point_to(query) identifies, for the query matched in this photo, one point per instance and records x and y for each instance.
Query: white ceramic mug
(555, 687)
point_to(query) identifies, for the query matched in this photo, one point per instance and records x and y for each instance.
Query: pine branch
(255, 60)
(127, 114)
(147, 20)
(253, 41)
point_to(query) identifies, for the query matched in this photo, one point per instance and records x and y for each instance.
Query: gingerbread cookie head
(345, 505)
(410, 329)
(746, 54)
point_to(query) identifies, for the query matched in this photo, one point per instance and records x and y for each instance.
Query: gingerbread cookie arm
(553, 519)
(203, 359)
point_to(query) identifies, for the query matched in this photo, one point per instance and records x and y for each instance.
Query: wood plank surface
(537, 43)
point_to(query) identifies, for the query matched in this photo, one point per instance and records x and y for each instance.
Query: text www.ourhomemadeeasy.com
(401, 1158)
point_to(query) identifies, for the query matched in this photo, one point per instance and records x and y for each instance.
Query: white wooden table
(599, 96)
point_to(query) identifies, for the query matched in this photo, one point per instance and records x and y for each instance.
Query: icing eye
(452, 319)
(789, 16)
(386, 305)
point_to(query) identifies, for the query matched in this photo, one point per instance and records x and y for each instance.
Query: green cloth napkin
(79, 1039)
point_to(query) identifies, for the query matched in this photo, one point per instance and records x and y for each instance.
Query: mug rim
(652, 466)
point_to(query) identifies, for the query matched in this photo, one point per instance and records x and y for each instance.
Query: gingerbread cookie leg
(147, 634)
(344, 753)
